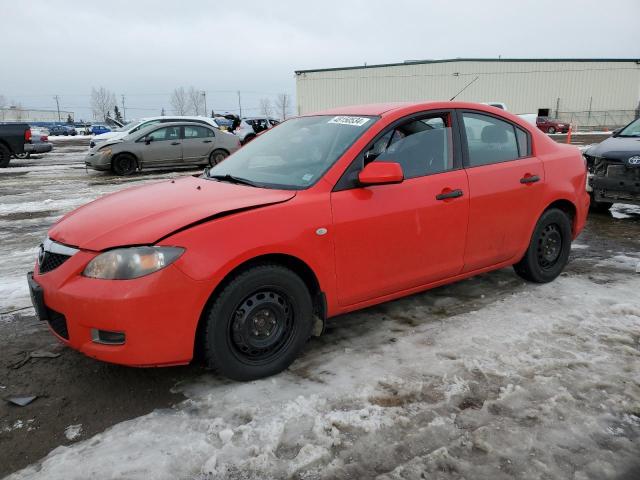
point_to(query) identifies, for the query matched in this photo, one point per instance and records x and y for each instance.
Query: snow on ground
(543, 383)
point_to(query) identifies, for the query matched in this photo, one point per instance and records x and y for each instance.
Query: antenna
(465, 87)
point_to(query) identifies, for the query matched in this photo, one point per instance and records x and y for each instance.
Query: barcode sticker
(355, 121)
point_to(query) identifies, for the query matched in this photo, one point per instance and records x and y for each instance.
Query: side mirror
(148, 139)
(616, 132)
(381, 173)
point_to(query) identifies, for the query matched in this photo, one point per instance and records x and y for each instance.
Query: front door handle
(450, 194)
(530, 179)
(206, 141)
(175, 143)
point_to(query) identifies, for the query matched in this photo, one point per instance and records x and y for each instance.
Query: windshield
(631, 130)
(296, 153)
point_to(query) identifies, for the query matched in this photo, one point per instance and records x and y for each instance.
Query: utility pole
(239, 104)
(124, 111)
(204, 96)
(57, 99)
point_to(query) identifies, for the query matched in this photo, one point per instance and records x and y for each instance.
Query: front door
(198, 142)
(505, 183)
(390, 238)
(161, 147)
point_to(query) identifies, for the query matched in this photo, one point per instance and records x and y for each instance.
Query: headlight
(132, 262)
(105, 151)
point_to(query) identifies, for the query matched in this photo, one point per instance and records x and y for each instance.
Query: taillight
(44, 138)
(27, 135)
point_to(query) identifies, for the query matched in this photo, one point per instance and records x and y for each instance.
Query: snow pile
(541, 383)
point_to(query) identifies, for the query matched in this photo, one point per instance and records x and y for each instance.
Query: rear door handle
(530, 179)
(175, 143)
(451, 194)
(206, 141)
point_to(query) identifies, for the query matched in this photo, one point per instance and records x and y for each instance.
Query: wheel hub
(549, 246)
(261, 325)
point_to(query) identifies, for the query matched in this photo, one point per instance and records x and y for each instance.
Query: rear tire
(258, 324)
(124, 164)
(5, 156)
(549, 248)
(23, 156)
(248, 139)
(217, 156)
(551, 130)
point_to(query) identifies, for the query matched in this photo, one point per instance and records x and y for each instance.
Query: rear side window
(491, 140)
(197, 132)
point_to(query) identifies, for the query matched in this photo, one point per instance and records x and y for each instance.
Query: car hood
(616, 147)
(143, 215)
(109, 136)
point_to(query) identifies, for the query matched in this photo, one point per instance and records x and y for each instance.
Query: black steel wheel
(124, 164)
(549, 249)
(257, 325)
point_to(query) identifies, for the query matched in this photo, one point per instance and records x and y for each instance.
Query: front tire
(23, 156)
(258, 324)
(124, 164)
(549, 249)
(599, 207)
(551, 130)
(217, 156)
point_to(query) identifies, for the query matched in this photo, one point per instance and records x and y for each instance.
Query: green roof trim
(450, 60)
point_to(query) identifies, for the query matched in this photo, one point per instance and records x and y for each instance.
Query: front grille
(58, 323)
(51, 261)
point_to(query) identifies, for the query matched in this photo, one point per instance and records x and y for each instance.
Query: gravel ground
(487, 378)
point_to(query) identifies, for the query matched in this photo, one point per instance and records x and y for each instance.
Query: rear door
(198, 142)
(390, 238)
(165, 147)
(505, 186)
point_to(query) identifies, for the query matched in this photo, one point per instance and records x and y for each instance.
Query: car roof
(383, 109)
(172, 124)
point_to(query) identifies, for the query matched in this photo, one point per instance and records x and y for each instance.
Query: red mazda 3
(322, 215)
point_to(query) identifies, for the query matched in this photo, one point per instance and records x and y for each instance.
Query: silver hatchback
(175, 144)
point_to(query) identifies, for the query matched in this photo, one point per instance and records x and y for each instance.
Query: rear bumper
(158, 314)
(41, 147)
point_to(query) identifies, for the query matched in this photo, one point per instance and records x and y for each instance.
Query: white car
(250, 127)
(145, 122)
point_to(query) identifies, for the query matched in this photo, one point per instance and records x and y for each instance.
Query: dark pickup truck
(13, 136)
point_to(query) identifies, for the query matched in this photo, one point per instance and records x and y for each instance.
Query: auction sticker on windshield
(355, 121)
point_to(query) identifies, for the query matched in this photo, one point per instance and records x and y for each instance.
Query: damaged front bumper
(614, 180)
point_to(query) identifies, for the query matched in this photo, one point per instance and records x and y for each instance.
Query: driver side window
(421, 146)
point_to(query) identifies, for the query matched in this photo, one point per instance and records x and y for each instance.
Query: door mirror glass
(381, 173)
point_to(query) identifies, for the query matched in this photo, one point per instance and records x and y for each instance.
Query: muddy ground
(74, 390)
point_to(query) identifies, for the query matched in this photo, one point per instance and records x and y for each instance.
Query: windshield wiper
(233, 179)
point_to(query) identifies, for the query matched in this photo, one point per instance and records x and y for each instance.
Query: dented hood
(145, 214)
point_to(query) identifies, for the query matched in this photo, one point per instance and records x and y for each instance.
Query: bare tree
(283, 104)
(179, 101)
(102, 101)
(196, 101)
(266, 108)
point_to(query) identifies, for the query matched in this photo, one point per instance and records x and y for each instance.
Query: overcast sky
(144, 49)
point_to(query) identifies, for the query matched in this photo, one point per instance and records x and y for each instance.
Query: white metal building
(17, 114)
(605, 91)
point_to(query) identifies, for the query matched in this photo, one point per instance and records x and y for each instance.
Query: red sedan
(322, 215)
